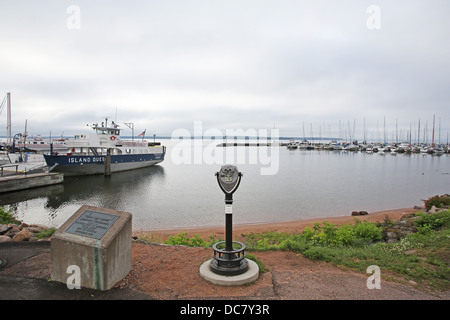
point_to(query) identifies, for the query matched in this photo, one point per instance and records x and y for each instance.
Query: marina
(308, 184)
(375, 147)
(169, 186)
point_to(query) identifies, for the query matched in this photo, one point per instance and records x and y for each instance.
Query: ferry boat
(87, 153)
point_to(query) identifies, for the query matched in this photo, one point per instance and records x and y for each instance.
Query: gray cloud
(165, 64)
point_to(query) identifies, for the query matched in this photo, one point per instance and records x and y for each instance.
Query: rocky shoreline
(22, 232)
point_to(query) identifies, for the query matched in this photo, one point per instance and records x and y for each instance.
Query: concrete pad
(249, 276)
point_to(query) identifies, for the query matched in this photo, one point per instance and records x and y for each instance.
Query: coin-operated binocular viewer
(229, 256)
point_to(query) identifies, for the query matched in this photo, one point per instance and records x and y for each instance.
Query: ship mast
(8, 124)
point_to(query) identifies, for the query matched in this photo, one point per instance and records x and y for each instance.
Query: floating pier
(245, 144)
(32, 180)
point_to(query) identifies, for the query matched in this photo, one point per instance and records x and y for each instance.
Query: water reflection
(60, 201)
(309, 184)
(24, 195)
(109, 192)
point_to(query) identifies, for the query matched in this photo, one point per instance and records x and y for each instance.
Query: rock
(35, 229)
(23, 235)
(23, 225)
(40, 226)
(4, 229)
(22, 232)
(432, 210)
(13, 230)
(391, 237)
(359, 213)
(418, 208)
(5, 239)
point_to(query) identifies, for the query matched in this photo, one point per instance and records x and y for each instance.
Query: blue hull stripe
(76, 160)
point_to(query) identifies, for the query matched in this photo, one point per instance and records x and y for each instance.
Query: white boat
(438, 150)
(292, 145)
(88, 153)
(39, 144)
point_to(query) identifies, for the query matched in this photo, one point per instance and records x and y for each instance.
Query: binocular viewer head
(229, 178)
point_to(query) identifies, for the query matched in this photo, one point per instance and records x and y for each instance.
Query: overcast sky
(230, 64)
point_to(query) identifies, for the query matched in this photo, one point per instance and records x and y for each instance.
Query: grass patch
(46, 233)
(194, 241)
(261, 266)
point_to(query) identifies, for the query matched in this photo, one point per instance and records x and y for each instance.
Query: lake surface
(182, 191)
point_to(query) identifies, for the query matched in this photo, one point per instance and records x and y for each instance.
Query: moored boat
(92, 153)
(39, 144)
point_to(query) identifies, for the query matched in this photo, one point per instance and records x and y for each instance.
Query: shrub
(328, 234)
(434, 220)
(437, 201)
(195, 241)
(179, 239)
(308, 233)
(296, 244)
(345, 234)
(368, 230)
(7, 217)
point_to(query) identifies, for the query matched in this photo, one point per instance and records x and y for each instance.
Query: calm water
(308, 184)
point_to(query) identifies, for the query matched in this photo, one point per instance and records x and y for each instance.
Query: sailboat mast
(410, 129)
(418, 133)
(432, 136)
(364, 130)
(439, 135)
(396, 130)
(8, 123)
(25, 134)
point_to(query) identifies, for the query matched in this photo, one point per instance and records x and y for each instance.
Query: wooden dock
(31, 180)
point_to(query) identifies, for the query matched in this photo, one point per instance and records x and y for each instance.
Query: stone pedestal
(98, 242)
